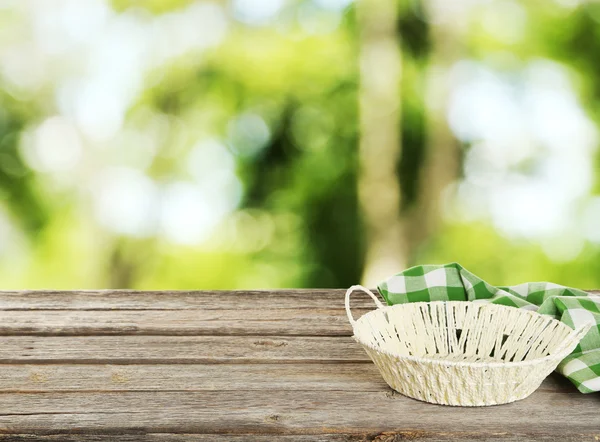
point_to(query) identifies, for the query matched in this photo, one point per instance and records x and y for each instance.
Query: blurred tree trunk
(127, 259)
(121, 268)
(395, 232)
(441, 163)
(379, 147)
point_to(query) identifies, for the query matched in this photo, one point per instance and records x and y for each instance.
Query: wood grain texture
(179, 300)
(224, 322)
(204, 377)
(285, 412)
(178, 349)
(384, 436)
(182, 300)
(189, 377)
(258, 366)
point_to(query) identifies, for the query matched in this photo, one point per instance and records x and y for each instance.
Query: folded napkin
(574, 307)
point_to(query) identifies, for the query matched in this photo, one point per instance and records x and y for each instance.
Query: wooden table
(238, 366)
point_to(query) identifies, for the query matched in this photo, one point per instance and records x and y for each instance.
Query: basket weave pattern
(463, 353)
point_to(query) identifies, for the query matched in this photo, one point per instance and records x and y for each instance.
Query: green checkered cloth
(574, 307)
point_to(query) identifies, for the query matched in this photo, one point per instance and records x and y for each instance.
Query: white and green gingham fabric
(451, 282)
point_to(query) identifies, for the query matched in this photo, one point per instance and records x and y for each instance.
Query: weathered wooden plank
(179, 386)
(284, 412)
(204, 377)
(178, 300)
(307, 322)
(178, 349)
(193, 377)
(181, 300)
(384, 436)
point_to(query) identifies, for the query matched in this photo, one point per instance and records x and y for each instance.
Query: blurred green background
(297, 143)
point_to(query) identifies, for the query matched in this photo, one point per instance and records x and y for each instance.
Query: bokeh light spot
(248, 134)
(126, 201)
(56, 146)
(256, 12)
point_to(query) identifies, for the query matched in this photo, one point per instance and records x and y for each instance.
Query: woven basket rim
(507, 364)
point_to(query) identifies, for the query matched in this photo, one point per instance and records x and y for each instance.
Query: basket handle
(347, 301)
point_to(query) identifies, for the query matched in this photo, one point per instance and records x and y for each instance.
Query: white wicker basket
(462, 353)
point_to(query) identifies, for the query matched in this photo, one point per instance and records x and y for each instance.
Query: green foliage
(298, 221)
(18, 187)
(153, 6)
